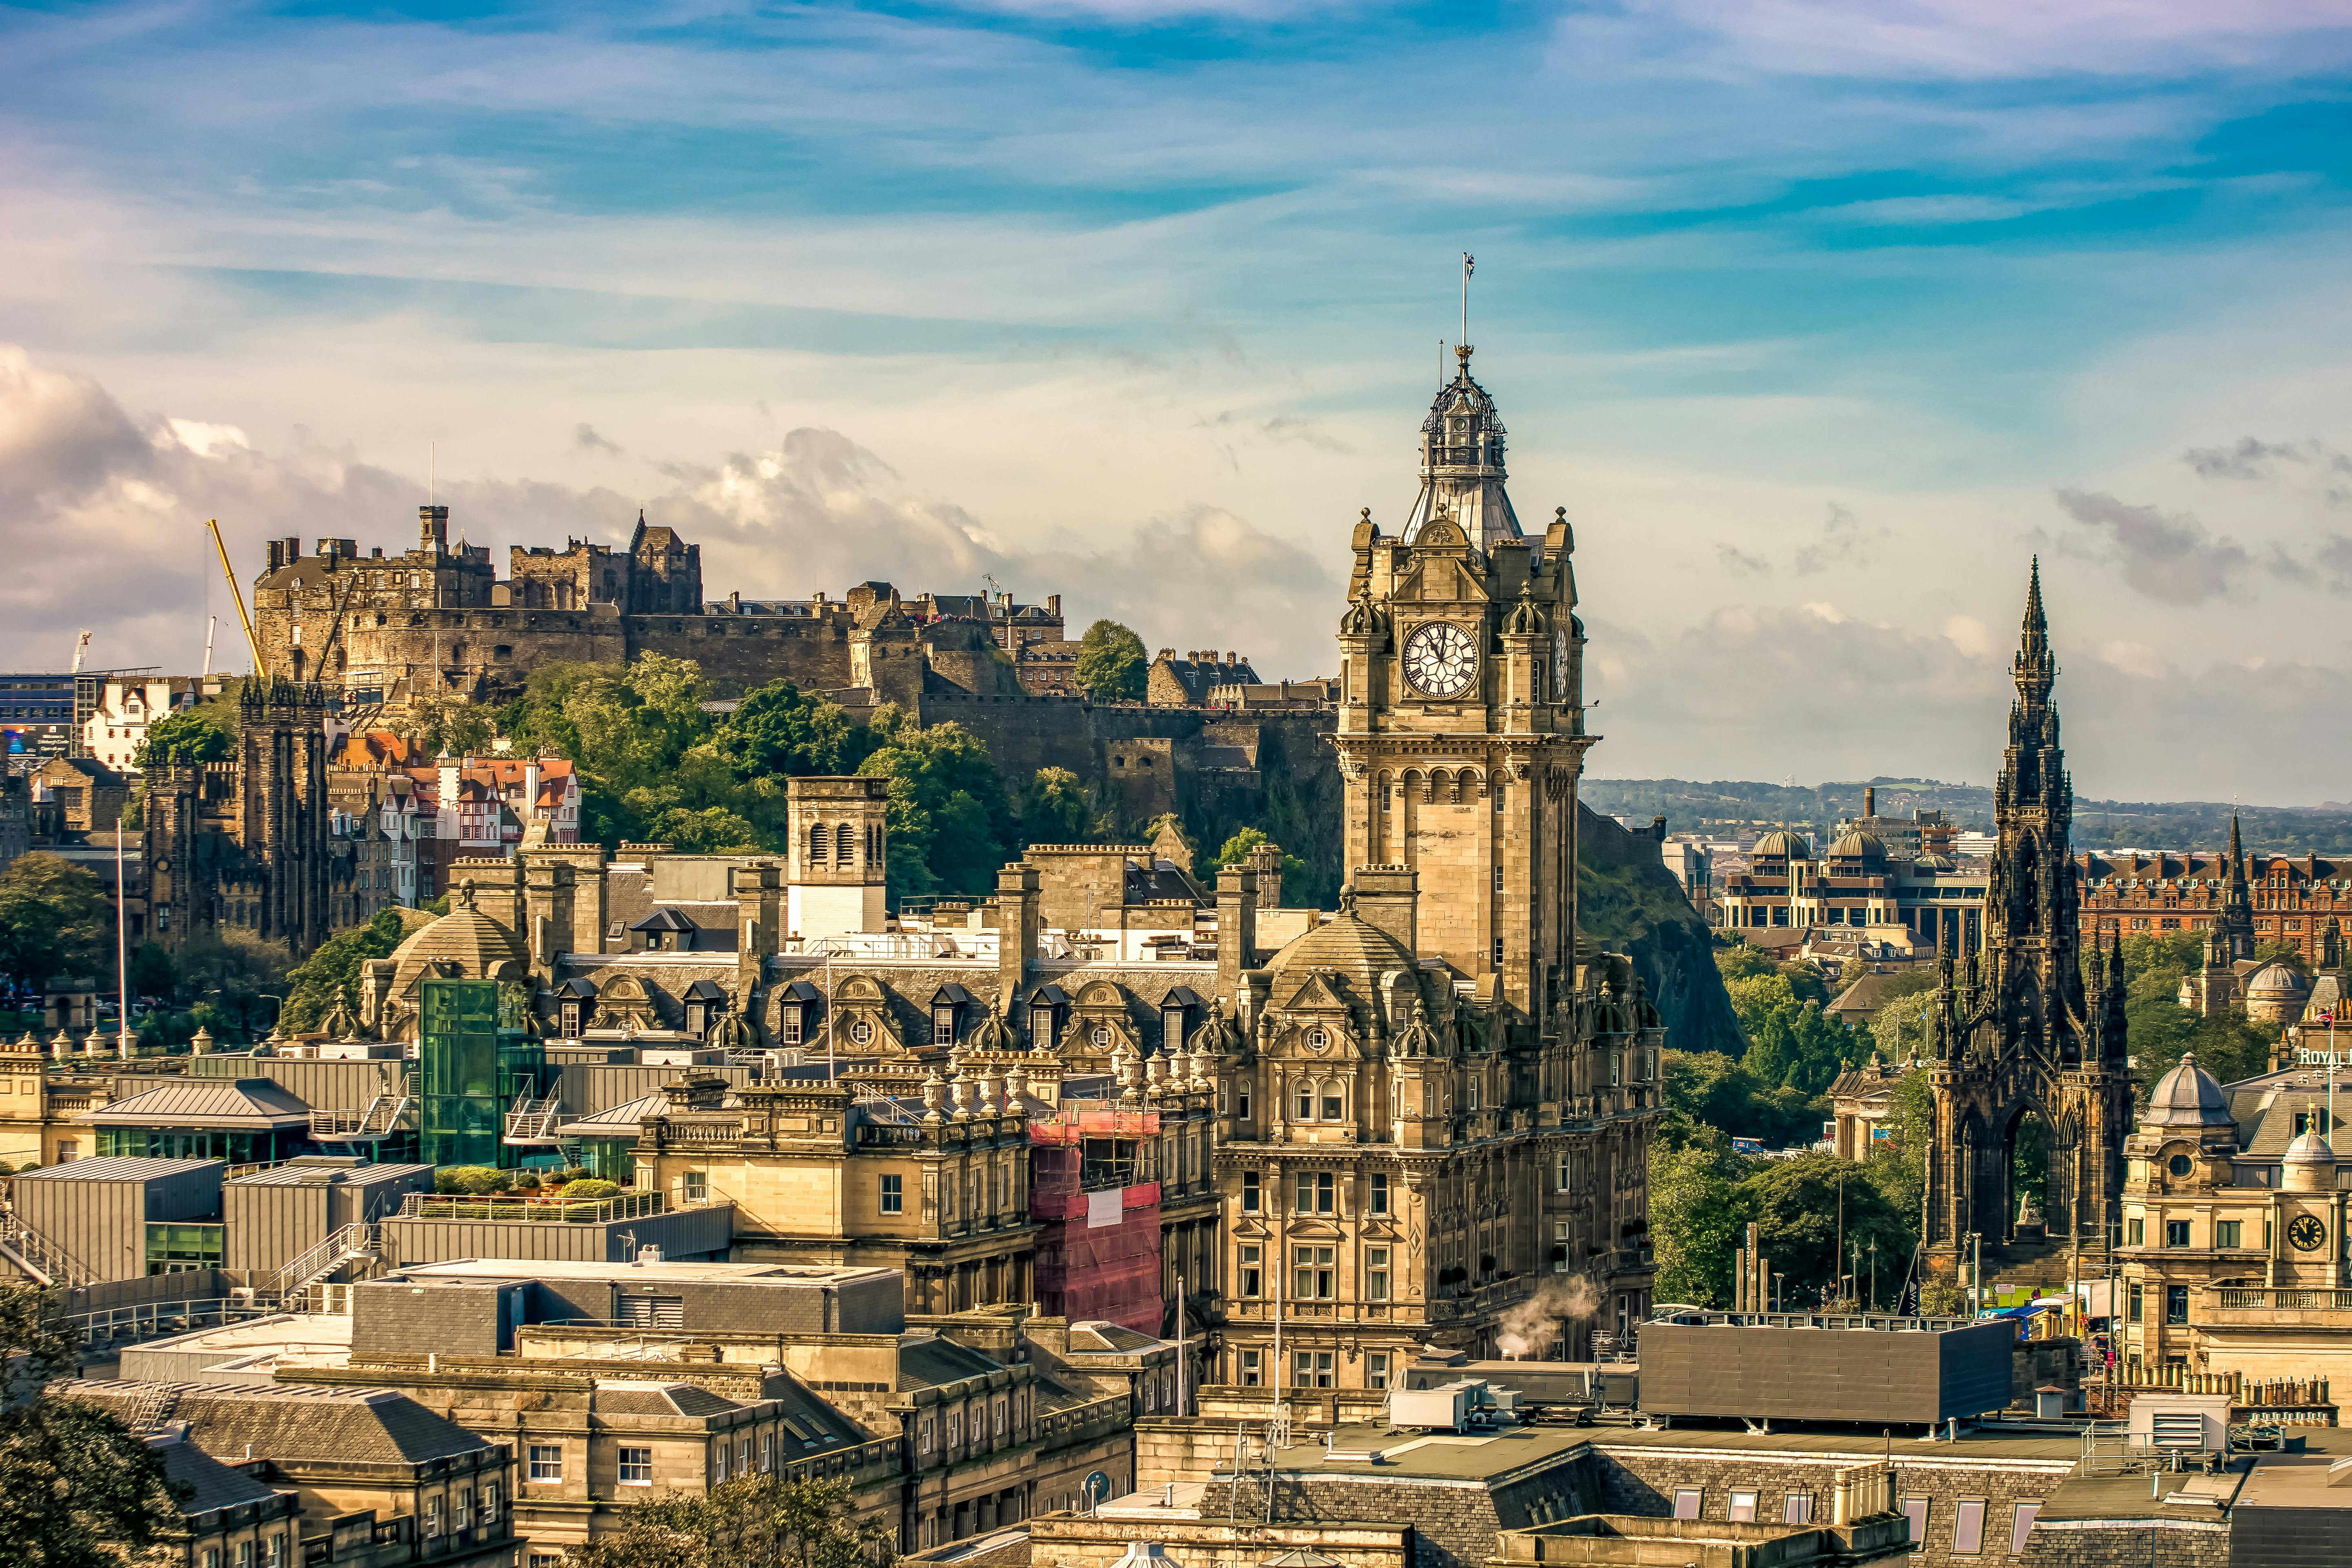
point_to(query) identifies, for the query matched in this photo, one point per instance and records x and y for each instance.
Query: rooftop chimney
(1869, 801)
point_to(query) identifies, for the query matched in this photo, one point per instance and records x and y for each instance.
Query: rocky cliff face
(1630, 902)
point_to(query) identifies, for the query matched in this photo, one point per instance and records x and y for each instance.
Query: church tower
(2023, 1034)
(1434, 1111)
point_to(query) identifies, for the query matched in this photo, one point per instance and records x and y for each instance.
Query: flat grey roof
(776, 1274)
(115, 1168)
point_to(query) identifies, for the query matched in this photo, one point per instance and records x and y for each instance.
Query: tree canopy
(55, 921)
(950, 826)
(182, 740)
(751, 1522)
(1112, 666)
(331, 974)
(77, 1488)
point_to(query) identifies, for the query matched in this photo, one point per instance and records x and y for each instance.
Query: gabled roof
(929, 1363)
(800, 991)
(297, 1424)
(665, 919)
(660, 1399)
(204, 1484)
(234, 1103)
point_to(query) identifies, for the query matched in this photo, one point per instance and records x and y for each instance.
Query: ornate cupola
(1462, 464)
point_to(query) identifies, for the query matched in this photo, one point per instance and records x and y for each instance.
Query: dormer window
(947, 1006)
(1175, 1017)
(1049, 1009)
(796, 1012)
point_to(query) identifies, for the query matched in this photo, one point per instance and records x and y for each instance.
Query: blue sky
(1819, 316)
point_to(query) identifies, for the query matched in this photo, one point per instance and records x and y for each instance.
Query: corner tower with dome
(1436, 1109)
(2017, 1031)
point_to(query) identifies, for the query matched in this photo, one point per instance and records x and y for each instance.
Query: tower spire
(2036, 670)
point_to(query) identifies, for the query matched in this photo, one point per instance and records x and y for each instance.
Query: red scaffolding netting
(1098, 1251)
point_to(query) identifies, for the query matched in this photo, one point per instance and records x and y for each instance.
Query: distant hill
(1729, 804)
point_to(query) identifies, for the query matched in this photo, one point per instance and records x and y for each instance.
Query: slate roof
(293, 1424)
(249, 1102)
(930, 1363)
(660, 1399)
(1109, 1339)
(210, 1485)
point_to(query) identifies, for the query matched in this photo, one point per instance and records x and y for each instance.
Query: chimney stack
(1869, 801)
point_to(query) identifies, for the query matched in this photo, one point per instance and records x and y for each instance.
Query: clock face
(2306, 1233)
(1559, 663)
(1440, 659)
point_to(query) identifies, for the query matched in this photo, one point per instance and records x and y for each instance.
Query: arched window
(844, 846)
(1305, 1102)
(816, 844)
(1333, 1102)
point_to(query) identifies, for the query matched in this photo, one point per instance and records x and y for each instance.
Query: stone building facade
(2233, 1248)
(2018, 1031)
(436, 620)
(247, 843)
(1437, 1106)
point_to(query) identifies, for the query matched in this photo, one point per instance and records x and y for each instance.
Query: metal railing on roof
(510, 1210)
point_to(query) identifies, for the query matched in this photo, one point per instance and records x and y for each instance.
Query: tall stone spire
(2233, 929)
(1462, 471)
(2034, 1039)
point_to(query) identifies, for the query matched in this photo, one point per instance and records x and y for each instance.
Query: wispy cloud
(2167, 556)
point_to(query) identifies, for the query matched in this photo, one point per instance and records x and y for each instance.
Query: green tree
(153, 973)
(1801, 1203)
(184, 739)
(471, 1180)
(445, 722)
(1709, 1089)
(753, 1521)
(2159, 1031)
(78, 1487)
(331, 974)
(55, 921)
(1900, 1028)
(950, 826)
(232, 976)
(779, 730)
(711, 830)
(1898, 1164)
(1695, 1217)
(1112, 666)
(1237, 848)
(1056, 809)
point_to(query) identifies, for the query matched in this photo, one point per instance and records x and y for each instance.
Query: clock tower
(1461, 729)
(1434, 1108)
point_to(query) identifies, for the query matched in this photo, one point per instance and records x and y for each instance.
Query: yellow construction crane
(236, 596)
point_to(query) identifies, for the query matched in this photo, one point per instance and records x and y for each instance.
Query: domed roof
(2276, 980)
(1931, 861)
(2310, 1149)
(1856, 845)
(1348, 944)
(1780, 842)
(464, 939)
(1464, 398)
(2187, 1096)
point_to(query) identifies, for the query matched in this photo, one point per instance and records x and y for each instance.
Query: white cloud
(1969, 635)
